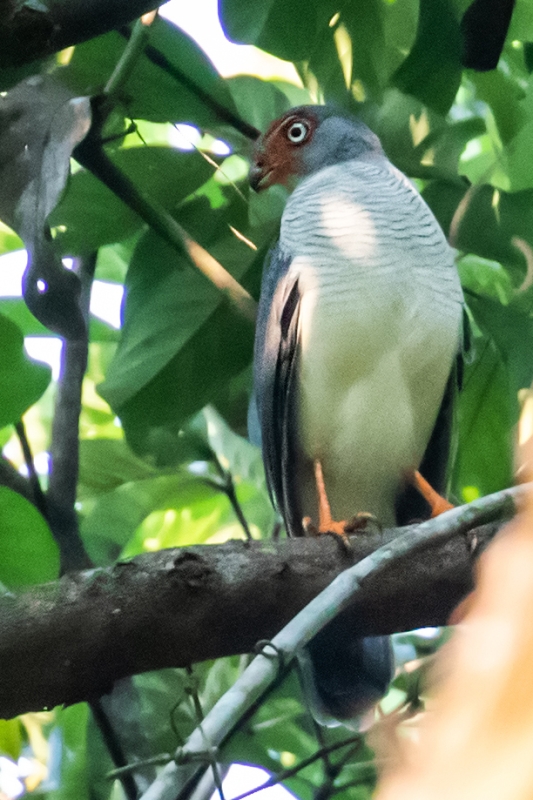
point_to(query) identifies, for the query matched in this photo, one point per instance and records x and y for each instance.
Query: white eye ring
(297, 133)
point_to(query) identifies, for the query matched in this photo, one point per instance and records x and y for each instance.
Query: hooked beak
(260, 177)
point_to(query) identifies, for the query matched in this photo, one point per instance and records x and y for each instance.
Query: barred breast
(379, 328)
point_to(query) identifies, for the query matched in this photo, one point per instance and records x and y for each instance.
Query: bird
(356, 362)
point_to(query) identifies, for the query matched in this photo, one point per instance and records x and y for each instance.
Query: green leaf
(487, 222)
(503, 94)
(29, 553)
(110, 521)
(16, 310)
(69, 773)
(177, 93)
(432, 70)
(365, 23)
(487, 412)
(285, 28)
(105, 464)
(512, 332)
(22, 381)
(91, 215)
(11, 737)
(258, 102)
(181, 342)
(9, 240)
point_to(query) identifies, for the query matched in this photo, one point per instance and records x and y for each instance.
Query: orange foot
(326, 523)
(437, 502)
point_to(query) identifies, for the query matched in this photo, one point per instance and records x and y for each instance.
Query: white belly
(372, 371)
(379, 329)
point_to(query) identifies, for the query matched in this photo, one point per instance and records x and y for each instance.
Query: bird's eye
(297, 133)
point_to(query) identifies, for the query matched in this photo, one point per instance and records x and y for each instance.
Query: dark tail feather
(344, 675)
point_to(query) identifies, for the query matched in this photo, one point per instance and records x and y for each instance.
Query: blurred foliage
(164, 401)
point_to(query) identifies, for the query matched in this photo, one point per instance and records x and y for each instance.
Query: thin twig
(308, 622)
(38, 495)
(285, 774)
(90, 155)
(114, 748)
(223, 113)
(228, 487)
(318, 729)
(192, 691)
(129, 58)
(328, 787)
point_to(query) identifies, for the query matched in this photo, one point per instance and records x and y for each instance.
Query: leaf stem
(89, 154)
(132, 52)
(39, 498)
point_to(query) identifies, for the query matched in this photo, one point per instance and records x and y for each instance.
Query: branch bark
(30, 33)
(69, 641)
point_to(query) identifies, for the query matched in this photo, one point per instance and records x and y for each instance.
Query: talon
(361, 521)
(309, 527)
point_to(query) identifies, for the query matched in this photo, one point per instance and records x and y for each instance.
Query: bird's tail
(343, 675)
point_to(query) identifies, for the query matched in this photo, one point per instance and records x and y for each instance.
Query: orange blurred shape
(476, 741)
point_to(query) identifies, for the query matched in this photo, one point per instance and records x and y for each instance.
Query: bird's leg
(326, 523)
(437, 502)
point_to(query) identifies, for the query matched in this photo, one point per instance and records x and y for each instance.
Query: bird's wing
(275, 383)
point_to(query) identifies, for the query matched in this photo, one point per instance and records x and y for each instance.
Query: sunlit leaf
(22, 381)
(29, 552)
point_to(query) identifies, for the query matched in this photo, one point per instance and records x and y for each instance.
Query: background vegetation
(163, 459)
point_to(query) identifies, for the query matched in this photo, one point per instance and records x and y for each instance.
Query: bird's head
(304, 140)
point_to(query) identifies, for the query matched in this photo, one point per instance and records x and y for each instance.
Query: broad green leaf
(9, 240)
(519, 161)
(181, 342)
(22, 381)
(91, 215)
(16, 310)
(512, 332)
(110, 521)
(400, 20)
(178, 91)
(327, 68)
(489, 278)
(11, 737)
(487, 222)
(487, 411)
(503, 95)
(105, 464)
(113, 259)
(29, 552)
(432, 70)
(285, 28)
(365, 23)
(258, 102)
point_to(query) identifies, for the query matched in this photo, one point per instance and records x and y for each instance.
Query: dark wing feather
(276, 352)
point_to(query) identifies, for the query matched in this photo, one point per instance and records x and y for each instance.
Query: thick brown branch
(27, 34)
(69, 641)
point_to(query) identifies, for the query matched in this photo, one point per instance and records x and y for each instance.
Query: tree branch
(204, 741)
(91, 155)
(70, 640)
(30, 33)
(64, 449)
